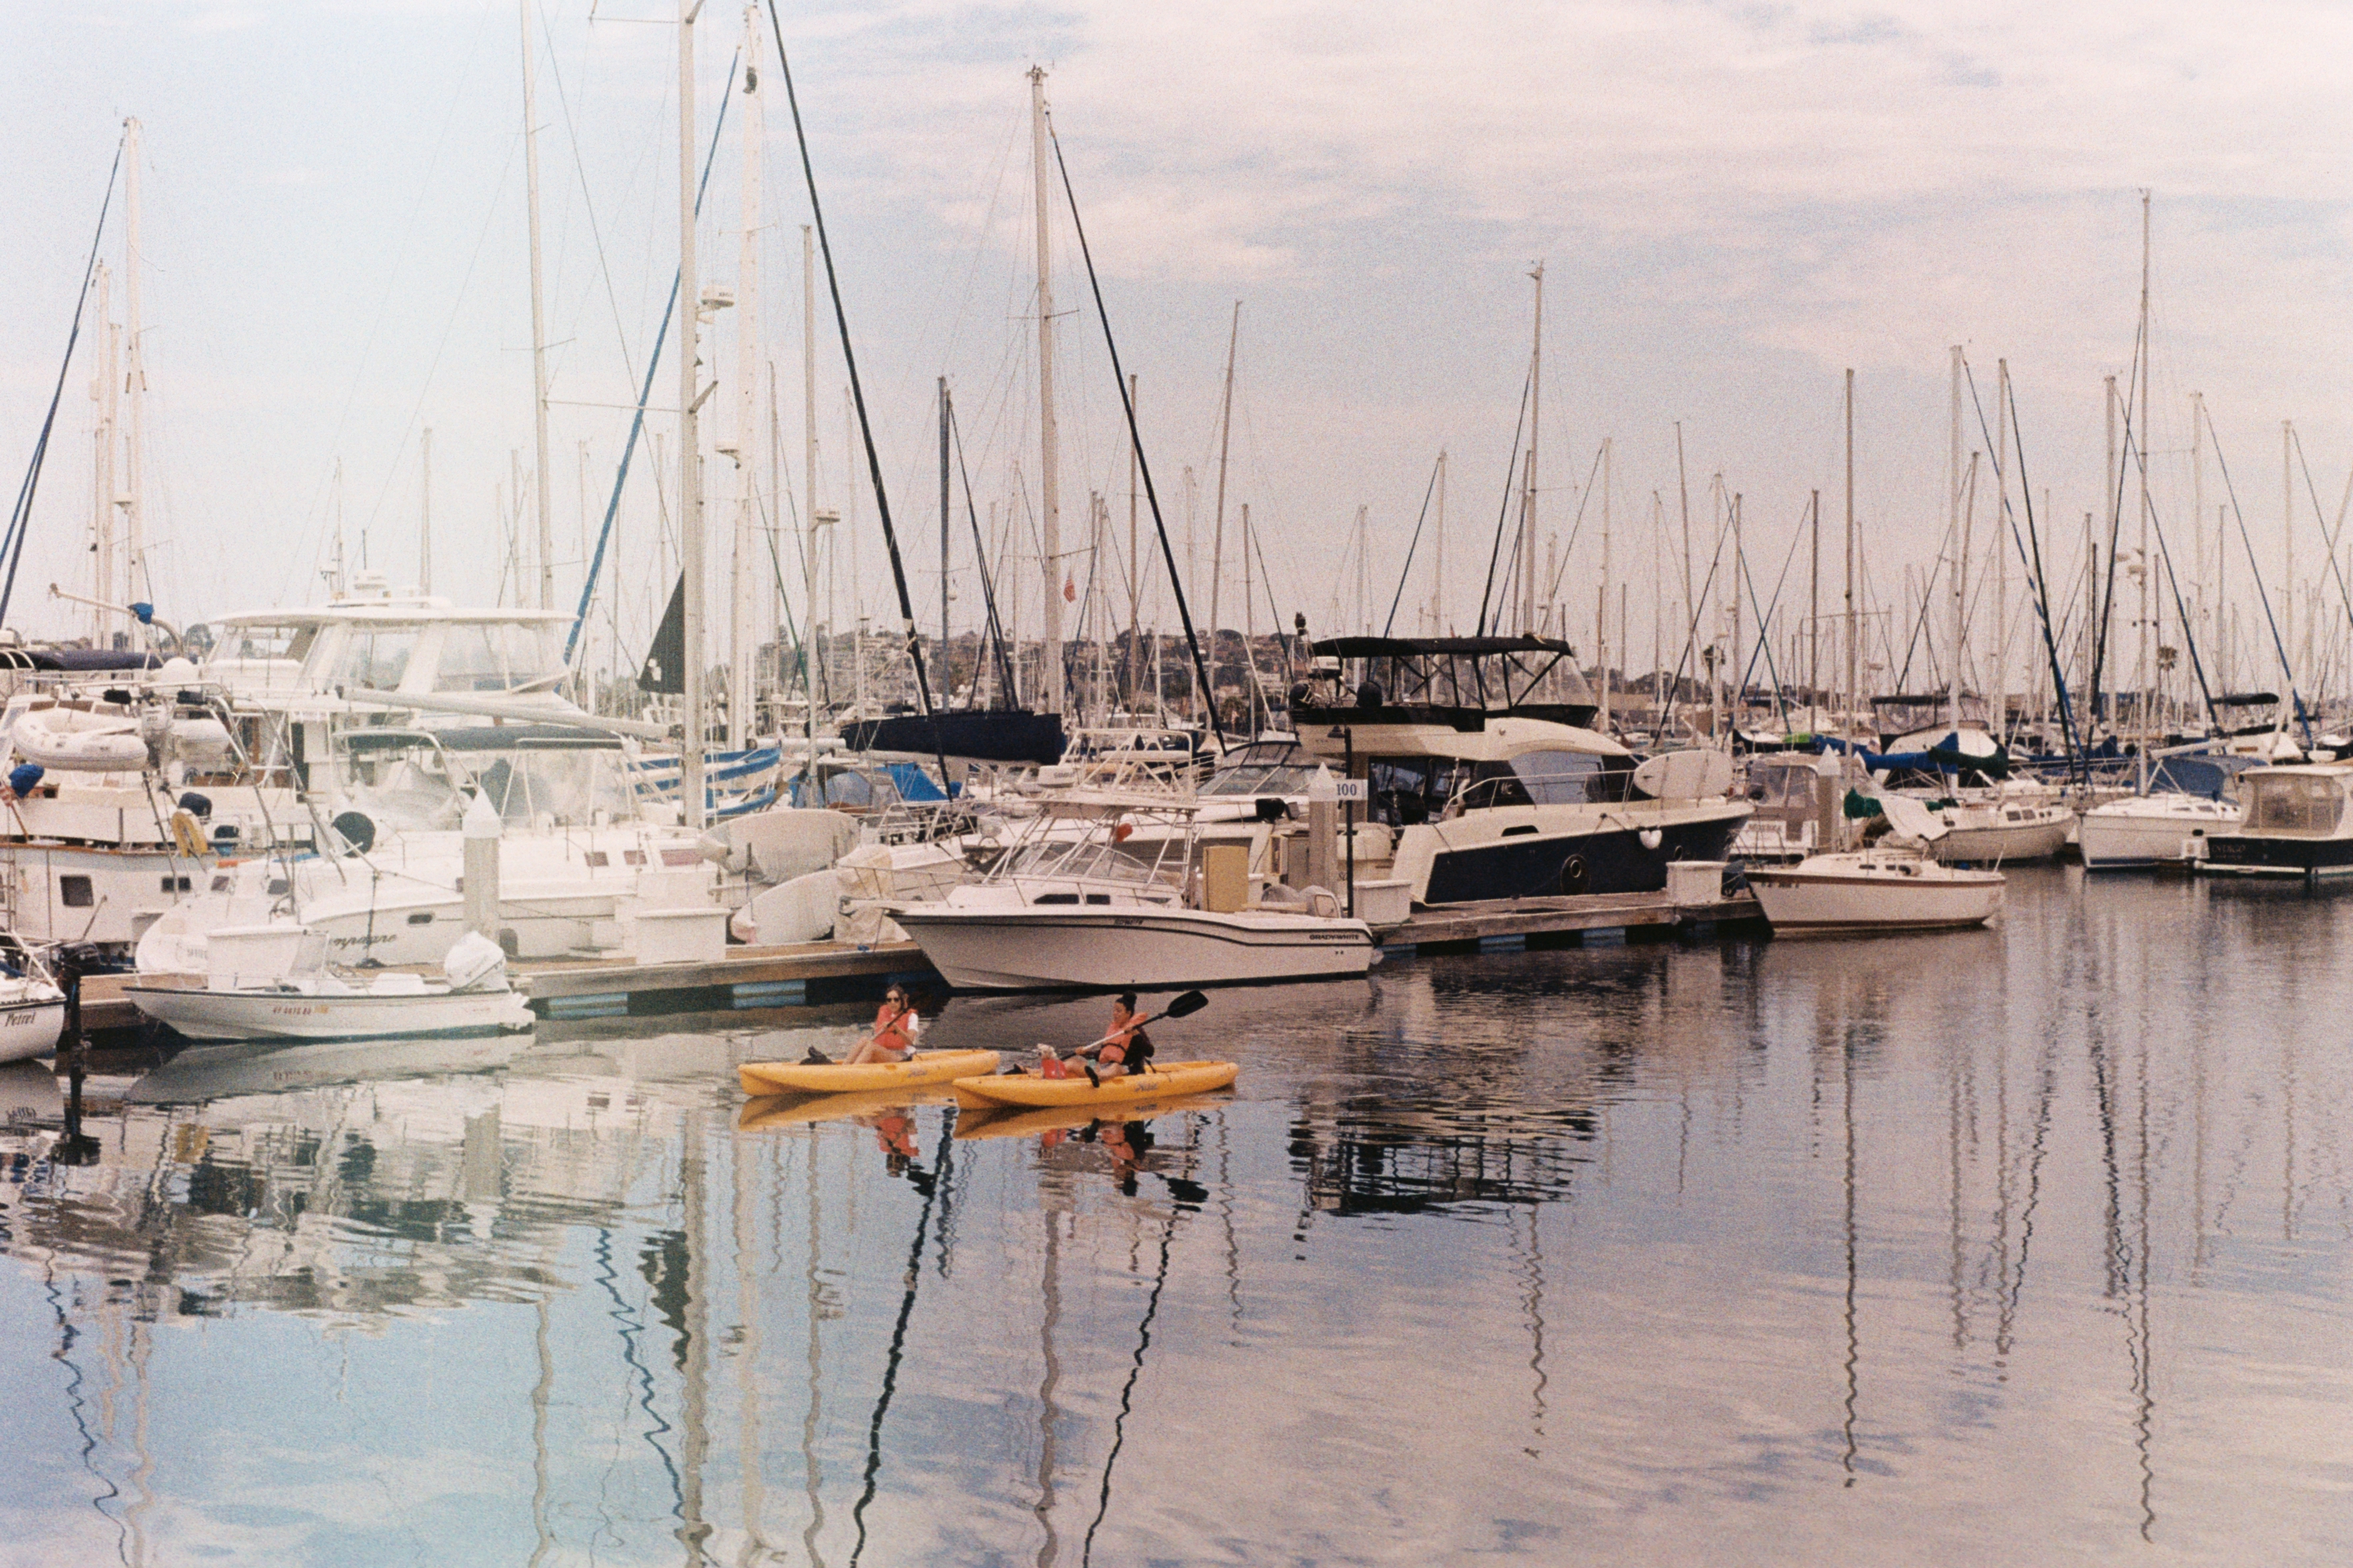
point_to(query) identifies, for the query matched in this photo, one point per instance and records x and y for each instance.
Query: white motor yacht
(1475, 755)
(2295, 825)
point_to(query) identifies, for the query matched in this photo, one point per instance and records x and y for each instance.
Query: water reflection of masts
(539, 1392)
(1532, 1305)
(1128, 1391)
(809, 1470)
(941, 1167)
(2142, 1350)
(694, 1446)
(1853, 1327)
(1048, 1412)
(747, 1353)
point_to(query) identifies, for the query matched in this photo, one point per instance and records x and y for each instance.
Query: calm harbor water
(2026, 1245)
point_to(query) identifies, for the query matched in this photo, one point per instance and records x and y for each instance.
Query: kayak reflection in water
(894, 1134)
(1129, 1144)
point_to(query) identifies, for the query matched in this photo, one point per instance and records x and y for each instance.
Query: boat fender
(1651, 837)
(356, 829)
(196, 805)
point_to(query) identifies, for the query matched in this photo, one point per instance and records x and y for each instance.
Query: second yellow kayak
(1158, 1083)
(835, 1078)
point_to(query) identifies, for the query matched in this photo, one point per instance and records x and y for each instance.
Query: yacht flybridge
(1475, 755)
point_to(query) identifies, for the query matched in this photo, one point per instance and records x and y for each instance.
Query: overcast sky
(1733, 204)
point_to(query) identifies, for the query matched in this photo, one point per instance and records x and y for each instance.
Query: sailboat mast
(1601, 621)
(104, 392)
(1438, 557)
(1953, 541)
(742, 635)
(947, 674)
(2145, 675)
(424, 511)
(1134, 564)
(811, 649)
(1853, 674)
(1049, 521)
(135, 382)
(690, 439)
(539, 314)
(1217, 530)
(1528, 495)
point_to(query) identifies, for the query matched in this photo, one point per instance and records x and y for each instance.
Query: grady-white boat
(1892, 887)
(272, 983)
(1086, 913)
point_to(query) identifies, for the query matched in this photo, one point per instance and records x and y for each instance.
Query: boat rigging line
(638, 419)
(858, 398)
(20, 521)
(1135, 438)
(1415, 543)
(1510, 473)
(2263, 594)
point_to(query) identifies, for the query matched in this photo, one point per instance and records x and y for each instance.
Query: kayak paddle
(1184, 1006)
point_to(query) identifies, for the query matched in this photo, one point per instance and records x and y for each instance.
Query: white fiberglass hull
(1132, 947)
(2005, 843)
(30, 1028)
(1864, 894)
(2125, 833)
(203, 1014)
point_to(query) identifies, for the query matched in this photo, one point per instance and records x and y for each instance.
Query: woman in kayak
(894, 1039)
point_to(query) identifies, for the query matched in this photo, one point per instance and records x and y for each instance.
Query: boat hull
(2113, 839)
(1530, 852)
(1798, 901)
(1130, 948)
(2004, 844)
(289, 1015)
(30, 1029)
(2252, 855)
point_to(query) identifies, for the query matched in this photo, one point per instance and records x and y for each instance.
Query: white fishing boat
(272, 983)
(1060, 914)
(1892, 887)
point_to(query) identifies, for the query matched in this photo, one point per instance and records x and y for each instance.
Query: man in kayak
(1126, 1048)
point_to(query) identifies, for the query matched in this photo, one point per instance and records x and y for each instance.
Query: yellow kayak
(765, 1111)
(1000, 1120)
(1157, 1083)
(834, 1077)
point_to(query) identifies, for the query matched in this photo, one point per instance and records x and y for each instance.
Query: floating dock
(1515, 925)
(816, 972)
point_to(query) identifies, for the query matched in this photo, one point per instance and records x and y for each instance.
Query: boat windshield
(2293, 803)
(408, 780)
(1542, 778)
(1259, 778)
(498, 655)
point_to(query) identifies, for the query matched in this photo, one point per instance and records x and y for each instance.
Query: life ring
(187, 834)
(1574, 874)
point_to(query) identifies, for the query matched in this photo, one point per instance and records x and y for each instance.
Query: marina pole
(690, 440)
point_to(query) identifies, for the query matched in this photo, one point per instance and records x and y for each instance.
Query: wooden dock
(1514, 925)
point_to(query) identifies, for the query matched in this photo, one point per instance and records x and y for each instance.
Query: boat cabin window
(375, 658)
(496, 656)
(1781, 787)
(1254, 779)
(1407, 790)
(2294, 804)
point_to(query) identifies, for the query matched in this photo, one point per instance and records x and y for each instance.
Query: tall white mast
(1050, 495)
(811, 649)
(2287, 548)
(742, 632)
(105, 386)
(1528, 497)
(2198, 503)
(135, 382)
(1953, 538)
(424, 511)
(1217, 529)
(690, 440)
(538, 320)
(1853, 675)
(1601, 620)
(2001, 555)
(1438, 557)
(2145, 675)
